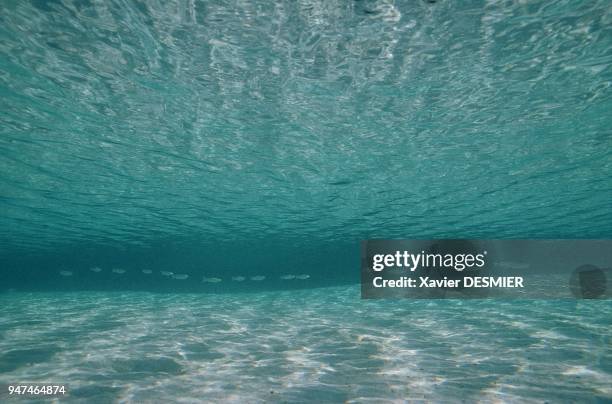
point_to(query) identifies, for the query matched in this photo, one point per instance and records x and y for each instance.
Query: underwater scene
(185, 186)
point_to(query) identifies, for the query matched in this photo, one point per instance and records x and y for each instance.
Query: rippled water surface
(303, 120)
(226, 147)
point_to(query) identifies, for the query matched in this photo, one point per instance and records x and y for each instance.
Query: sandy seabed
(323, 345)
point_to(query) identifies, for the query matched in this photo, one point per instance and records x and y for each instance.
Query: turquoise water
(184, 185)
